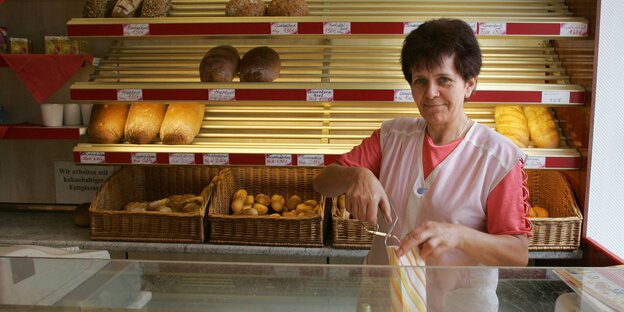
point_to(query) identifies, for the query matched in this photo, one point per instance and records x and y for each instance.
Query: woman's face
(440, 93)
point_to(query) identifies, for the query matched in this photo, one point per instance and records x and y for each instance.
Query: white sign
(408, 27)
(143, 158)
(129, 94)
(492, 29)
(573, 29)
(76, 184)
(403, 96)
(310, 160)
(92, 157)
(284, 28)
(319, 95)
(136, 30)
(182, 158)
(535, 162)
(221, 95)
(474, 27)
(336, 28)
(216, 159)
(555, 97)
(278, 159)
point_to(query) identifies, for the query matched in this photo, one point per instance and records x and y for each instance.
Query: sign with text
(143, 158)
(278, 159)
(284, 28)
(76, 184)
(133, 30)
(492, 29)
(129, 94)
(221, 95)
(216, 159)
(310, 160)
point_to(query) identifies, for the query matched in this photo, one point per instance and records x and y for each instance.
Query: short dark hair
(426, 45)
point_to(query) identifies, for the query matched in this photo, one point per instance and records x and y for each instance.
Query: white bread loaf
(143, 124)
(260, 64)
(542, 127)
(107, 123)
(220, 64)
(182, 123)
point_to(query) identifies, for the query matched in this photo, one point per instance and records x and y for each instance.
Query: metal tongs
(389, 234)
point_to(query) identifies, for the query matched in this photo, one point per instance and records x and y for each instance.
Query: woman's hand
(432, 239)
(365, 195)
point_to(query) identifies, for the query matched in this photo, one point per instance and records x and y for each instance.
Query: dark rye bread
(261, 64)
(220, 64)
(287, 8)
(98, 8)
(155, 8)
(245, 8)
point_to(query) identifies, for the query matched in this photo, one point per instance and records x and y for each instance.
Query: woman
(456, 186)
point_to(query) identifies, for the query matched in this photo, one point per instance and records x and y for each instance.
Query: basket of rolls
(153, 204)
(270, 206)
(347, 232)
(554, 213)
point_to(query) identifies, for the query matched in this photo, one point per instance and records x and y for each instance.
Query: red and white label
(310, 160)
(278, 159)
(134, 30)
(221, 95)
(474, 26)
(181, 159)
(555, 97)
(143, 158)
(336, 28)
(492, 29)
(129, 94)
(535, 162)
(216, 159)
(92, 157)
(319, 95)
(403, 96)
(284, 28)
(573, 29)
(408, 27)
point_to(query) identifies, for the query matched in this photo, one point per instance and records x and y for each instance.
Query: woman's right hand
(365, 195)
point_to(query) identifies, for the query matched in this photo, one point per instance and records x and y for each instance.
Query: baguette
(511, 122)
(220, 64)
(143, 124)
(107, 123)
(182, 123)
(261, 64)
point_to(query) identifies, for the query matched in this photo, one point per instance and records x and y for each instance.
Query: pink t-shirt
(507, 204)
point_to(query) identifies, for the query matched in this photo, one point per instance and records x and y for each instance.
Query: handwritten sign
(573, 29)
(535, 162)
(319, 95)
(278, 159)
(221, 95)
(310, 160)
(284, 28)
(555, 97)
(143, 158)
(403, 96)
(134, 30)
(216, 159)
(492, 29)
(408, 27)
(129, 94)
(181, 158)
(75, 184)
(336, 28)
(92, 157)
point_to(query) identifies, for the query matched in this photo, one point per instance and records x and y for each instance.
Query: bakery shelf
(489, 18)
(32, 132)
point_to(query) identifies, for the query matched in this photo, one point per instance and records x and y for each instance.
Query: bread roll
(144, 122)
(542, 127)
(98, 8)
(220, 64)
(511, 122)
(287, 8)
(182, 123)
(155, 8)
(107, 123)
(261, 64)
(245, 8)
(127, 8)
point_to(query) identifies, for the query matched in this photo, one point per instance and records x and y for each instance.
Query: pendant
(421, 190)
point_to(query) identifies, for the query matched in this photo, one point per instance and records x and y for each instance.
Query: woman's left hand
(433, 238)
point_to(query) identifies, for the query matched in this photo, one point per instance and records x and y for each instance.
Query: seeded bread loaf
(127, 8)
(144, 121)
(107, 123)
(98, 8)
(287, 8)
(182, 123)
(220, 64)
(245, 8)
(155, 8)
(261, 64)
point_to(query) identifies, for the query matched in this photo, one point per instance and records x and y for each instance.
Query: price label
(535, 162)
(216, 159)
(284, 28)
(129, 94)
(143, 158)
(96, 61)
(555, 97)
(311, 160)
(319, 95)
(336, 28)
(474, 27)
(408, 27)
(182, 159)
(492, 29)
(133, 30)
(92, 157)
(221, 95)
(573, 29)
(278, 159)
(403, 96)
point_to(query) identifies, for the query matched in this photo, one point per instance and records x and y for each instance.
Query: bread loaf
(127, 8)
(98, 8)
(144, 122)
(245, 8)
(287, 8)
(155, 8)
(182, 123)
(261, 64)
(220, 64)
(107, 123)
(542, 127)
(511, 122)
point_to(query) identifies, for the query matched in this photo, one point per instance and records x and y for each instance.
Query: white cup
(52, 115)
(71, 115)
(85, 109)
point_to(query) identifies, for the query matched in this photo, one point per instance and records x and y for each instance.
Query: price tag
(221, 95)
(492, 29)
(403, 96)
(182, 158)
(129, 94)
(284, 28)
(336, 28)
(573, 29)
(474, 27)
(133, 30)
(278, 159)
(96, 61)
(319, 95)
(311, 160)
(143, 158)
(92, 157)
(555, 97)
(216, 159)
(535, 162)
(408, 27)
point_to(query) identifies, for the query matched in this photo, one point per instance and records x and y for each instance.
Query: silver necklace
(463, 129)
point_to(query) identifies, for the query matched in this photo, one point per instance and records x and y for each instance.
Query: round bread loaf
(261, 64)
(220, 64)
(98, 8)
(287, 8)
(245, 8)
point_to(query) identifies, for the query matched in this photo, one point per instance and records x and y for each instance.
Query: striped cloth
(408, 281)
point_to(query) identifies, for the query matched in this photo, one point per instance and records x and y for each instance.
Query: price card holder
(319, 95)
(143, 158)
(221, 95)
(92, 157)
(181, 159)
(555, 97)
(278, 159)
(311, 160)
(129, 94)
(284, 28)
(535, 162)
(216, 159)
(492, 29)
(403, 96)
(136, 30)
(573, 29)
(336, 28)
(408, 27)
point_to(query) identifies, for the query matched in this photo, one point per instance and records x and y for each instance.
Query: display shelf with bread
(497, 18)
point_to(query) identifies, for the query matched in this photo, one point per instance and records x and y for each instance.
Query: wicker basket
(136, 183)
(264, 230)
(562, 231)
(349, 233)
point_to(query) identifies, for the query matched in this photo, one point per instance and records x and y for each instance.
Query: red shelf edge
(41, 133)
